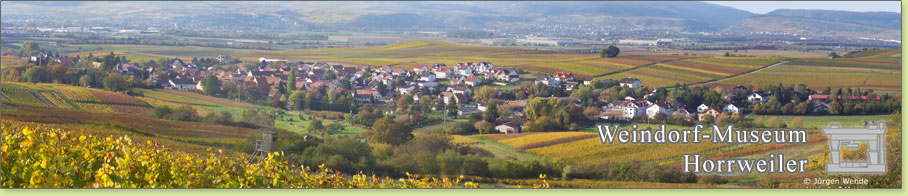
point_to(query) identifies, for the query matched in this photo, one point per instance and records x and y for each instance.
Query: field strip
(44, 99)
(504, 150)
(633, 68)
(739, 74)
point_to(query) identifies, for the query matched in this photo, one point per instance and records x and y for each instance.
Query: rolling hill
(882, 25)
(692, 16)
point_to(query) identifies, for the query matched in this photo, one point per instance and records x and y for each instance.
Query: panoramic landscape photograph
(451, 94)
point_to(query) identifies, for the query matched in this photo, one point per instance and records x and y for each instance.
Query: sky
(762, 7)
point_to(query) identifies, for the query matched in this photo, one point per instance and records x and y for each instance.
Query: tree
(835, 108)
(484, 126)
(291, 80)
(224, 118)
(726, 54)
(403, 103)
(109, 61)
(85, 80)
(211, 85)
(252, 93)
(388, 131)
(585, 94)
(13, 75)
(802, 108)
(612, 51)
(298, 100)
(775, 122)
(797, 122)
(316, 125)
(539, 107)
(29, 48)
(833, 55)
(485, 93)
(491, 113)
(32, 75)
(329, 75)
(115, 82)
(591, 113)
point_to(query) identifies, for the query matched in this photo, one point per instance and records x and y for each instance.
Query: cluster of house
(462, 77)
(632, 108)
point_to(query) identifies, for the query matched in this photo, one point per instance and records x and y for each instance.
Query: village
(453, 88)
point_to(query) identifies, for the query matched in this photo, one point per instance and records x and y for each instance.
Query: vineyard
(169, 97)
(16, 94)
(592, 151)
(122, 103)
(818, 77)
(851, 63)
(38, 157)
(72, 97)
(56, 99)
(191, 97)
(523, 141)
(693, 70)
(875, 54)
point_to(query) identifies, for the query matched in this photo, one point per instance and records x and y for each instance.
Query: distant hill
(883, 25)
(688, 16)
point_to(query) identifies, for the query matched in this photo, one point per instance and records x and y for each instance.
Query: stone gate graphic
(851, 137)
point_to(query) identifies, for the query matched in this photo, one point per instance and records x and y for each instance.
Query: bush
(461, 128)
(629, 172)
(506, 168)
(711, 179)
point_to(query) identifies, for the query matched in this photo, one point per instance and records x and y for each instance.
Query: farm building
(510, 125)
(754, 98)
(711, 111)
(183, 84)
(632, 83)
(657, 108)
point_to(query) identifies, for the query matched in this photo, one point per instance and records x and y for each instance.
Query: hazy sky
(762, 7)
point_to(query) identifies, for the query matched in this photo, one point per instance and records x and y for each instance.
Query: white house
(403, 90)
(430, 85)
(731, 108)
(269, 60)
(657, 108)
(682, 112)
(465, 70)
(547, 80)
(632, 83)
(702, 108)
(420, 68)
(183, 84)
(446, 97)
(483, 67)
(442, 72)
(472, 81)
(757, 98)
(467, 110)
(633, 109)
